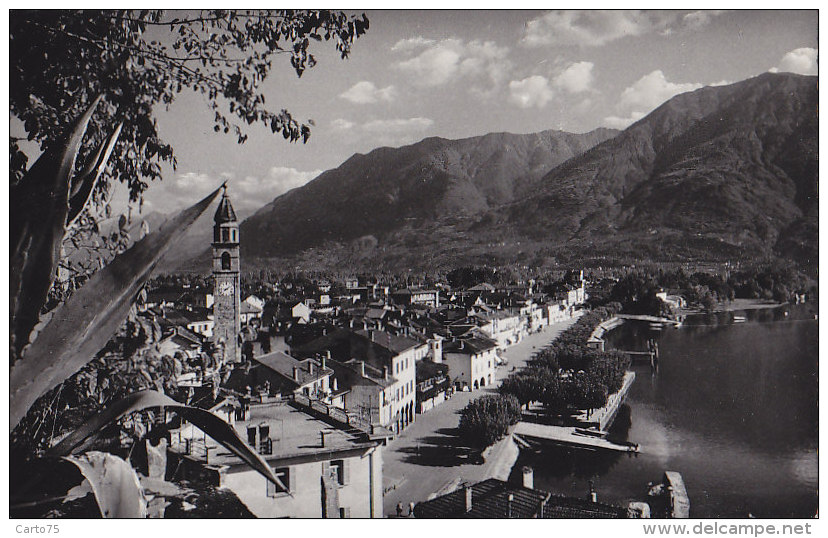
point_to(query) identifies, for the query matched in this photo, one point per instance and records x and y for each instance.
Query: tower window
(225, 235)
(216, 235)
(225, 261)
(233, 234)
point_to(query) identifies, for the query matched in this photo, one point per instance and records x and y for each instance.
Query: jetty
(651, 319)
(590, 431)
(679, 501)
(566, 436)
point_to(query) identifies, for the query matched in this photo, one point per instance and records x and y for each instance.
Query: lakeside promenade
(427, 457)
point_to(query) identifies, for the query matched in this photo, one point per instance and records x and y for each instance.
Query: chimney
(468, 489)
(296, 373)
(362, 368)
(528, 478)
(335, 385)
(310, 367)
(509, 501)
(324, 362)
(385, 373)
(322, 438)
(371, 334)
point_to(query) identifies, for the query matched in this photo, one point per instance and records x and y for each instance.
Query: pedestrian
(399, 509)
(411, 509)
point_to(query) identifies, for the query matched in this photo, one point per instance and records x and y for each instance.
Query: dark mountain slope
(721, 173)
(389, 188)
(734, 164)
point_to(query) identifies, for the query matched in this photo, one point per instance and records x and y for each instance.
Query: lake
(733, 408)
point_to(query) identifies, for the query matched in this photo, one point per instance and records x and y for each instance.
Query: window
(284, 485)
(233, 234)
(225, 261)
(338, 470)
(225, 235)
(258, 437)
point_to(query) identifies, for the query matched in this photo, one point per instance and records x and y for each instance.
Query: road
(427, 457)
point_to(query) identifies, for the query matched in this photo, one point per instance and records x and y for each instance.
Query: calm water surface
(733, 408)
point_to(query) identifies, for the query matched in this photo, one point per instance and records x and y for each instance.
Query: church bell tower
(226, 302)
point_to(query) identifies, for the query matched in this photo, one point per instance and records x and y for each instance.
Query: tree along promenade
(429, 457)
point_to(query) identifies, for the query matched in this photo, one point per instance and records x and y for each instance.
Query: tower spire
(225, 212)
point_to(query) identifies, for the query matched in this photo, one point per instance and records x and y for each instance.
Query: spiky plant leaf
(85, 183)
(39, 206)
(81, 326)
(114, 483)
(212, 425)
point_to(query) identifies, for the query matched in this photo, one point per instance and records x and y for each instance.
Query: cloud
(451, 59)
(644, 95)
(365, 92)
(651, 90)
(576, 78)
(802, 61)
(248, 193)
(700, 19)
(530, 92)
(252, 191)
(341, 124)
(594, 28)
(412, 43)
(388, 132)
(398, 125)
(622, 123)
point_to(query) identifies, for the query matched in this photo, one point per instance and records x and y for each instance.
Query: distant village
(318, 378)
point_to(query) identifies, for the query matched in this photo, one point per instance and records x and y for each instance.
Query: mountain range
(720, 173)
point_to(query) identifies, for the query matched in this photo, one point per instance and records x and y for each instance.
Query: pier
(651, 319)
(679, 501)
(590, 433)
(566, 436)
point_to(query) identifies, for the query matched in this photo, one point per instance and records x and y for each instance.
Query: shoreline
(734, 306)
(747, 304)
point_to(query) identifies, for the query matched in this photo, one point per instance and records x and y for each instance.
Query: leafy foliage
(485, 420)
(139, 61)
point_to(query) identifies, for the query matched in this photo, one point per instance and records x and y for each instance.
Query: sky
(457, 74)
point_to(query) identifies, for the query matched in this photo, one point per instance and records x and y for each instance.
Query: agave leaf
(85, 182)
(114, 484)
(209, 423)
(39, 204)
(81, 326)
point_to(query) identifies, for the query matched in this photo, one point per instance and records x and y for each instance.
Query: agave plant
(48, 349)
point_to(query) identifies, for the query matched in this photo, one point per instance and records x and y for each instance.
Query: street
(427, 456)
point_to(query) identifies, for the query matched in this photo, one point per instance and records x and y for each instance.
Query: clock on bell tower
(226, 302)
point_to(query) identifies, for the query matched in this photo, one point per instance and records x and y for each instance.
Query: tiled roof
(247, 308)
(478, 344)
(283, 364)
(490, 499)
(561, 507)
(392, 342)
